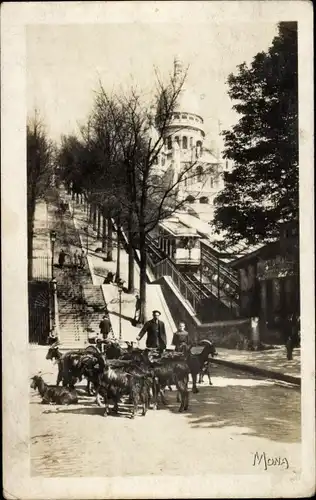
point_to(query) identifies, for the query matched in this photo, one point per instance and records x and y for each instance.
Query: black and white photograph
(166, 332)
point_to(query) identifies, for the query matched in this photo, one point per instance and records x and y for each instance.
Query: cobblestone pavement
(225, 426)
(273, 359)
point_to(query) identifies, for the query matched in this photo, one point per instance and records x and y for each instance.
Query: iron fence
(41, 268)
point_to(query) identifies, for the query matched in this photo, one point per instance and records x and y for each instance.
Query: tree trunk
(90, 212)
(94, 219)
(131, 285)
(118, 253)
(30, 234)
(99, 224)
(109, 255)
(142, 276)
(30, 254)
(104, 233)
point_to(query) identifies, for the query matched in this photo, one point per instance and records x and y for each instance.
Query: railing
(166, 268)
(41, 268)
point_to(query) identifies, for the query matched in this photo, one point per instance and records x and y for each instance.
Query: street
(225, 426)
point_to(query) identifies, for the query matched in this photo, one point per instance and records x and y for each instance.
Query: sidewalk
(270, 363)
(99, 269)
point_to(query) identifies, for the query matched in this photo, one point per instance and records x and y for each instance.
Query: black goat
(69, 364)
(54, 394)
(117, 380)
(167, 371)
(197, 362)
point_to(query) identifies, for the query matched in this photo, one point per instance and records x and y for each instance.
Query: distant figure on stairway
(81, 258)
(109, 278)
(137, 310)
(75, 260)
(105, 326)
(61, 258)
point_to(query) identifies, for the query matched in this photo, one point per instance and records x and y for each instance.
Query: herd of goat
(141, 375)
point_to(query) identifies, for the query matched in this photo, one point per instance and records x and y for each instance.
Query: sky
(65, 63)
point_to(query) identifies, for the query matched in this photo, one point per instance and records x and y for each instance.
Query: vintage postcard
(158, 252)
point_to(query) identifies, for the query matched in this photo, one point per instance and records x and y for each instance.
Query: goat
(69, 366)
(54, 394)
(167, 371)
(196, 362)
(115, 381)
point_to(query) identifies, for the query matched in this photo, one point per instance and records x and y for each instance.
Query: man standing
(156, 332)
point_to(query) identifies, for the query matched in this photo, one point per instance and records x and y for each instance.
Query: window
(191, 118)
(176, 116)
(177, 139)
(184, 117)
(198, 149)
(212, 182)
(191, 142)
(199, 172)
(169, 142)
(185, 142)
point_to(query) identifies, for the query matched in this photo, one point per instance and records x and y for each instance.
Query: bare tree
(147, 194)
(40, 173)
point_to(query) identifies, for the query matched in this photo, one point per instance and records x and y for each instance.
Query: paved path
(225, 426)
(274, 360)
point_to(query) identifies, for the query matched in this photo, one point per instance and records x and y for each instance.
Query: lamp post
(120, 284)
(55, 315)
(52, 240)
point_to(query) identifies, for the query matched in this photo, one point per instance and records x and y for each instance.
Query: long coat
(155, 339)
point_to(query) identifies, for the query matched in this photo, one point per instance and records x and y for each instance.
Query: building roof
(175, 227)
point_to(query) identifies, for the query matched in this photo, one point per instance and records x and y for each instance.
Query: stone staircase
(73, 333)
(94, 307)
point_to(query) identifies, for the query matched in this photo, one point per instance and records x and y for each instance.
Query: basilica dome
(188, 102)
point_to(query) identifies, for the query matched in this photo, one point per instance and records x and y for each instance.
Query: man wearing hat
(156, 332)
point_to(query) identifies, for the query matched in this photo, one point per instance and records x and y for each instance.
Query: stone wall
(223, 333)
(226, 333)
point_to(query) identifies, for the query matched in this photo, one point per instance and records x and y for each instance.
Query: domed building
(185, 149)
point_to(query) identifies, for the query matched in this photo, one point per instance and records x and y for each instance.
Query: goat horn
(206, 342)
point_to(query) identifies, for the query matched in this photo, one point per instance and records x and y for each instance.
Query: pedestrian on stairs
(61, 258)
(75, 259)
(81, 258)
(137, 310)
(105, 326)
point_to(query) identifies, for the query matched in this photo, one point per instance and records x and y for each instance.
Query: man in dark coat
(61, 258)
(156, 332)
(105, 326)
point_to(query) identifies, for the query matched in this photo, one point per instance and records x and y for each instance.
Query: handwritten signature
(266, 461)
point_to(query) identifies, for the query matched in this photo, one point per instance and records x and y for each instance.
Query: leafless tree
(40, 174)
